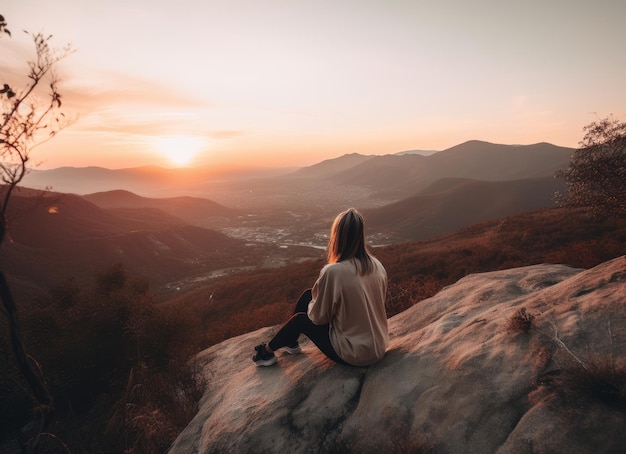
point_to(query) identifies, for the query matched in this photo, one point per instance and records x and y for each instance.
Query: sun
(179, 150)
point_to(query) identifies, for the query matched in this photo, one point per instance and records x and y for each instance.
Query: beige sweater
(354, 306)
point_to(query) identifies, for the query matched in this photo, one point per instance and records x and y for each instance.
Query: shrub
(109, 350)
(154, 408)
(596, 176)
(597, 380)
(520, 321)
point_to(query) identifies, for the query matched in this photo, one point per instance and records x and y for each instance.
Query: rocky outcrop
(525, 360)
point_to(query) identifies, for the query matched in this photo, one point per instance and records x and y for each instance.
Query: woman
(344, 313)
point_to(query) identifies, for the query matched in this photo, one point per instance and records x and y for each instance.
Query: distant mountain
(150, 181)
(487, 161)
(83, 180)
(193, 210)
(331, 167)
(56, 236)
(452, 203)
(384, 172)
(420, 152)
(345, 180)
(401, 176)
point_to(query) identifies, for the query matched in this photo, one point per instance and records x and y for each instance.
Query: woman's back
(354, 306)
(345, 316)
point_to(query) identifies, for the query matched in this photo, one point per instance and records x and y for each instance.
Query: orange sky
(290, 83)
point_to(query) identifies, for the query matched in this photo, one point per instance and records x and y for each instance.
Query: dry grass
(597, 380)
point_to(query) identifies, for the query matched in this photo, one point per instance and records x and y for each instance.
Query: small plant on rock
(521, 321)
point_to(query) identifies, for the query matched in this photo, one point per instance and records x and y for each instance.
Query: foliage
(154, 408)
(596, 176)
(113, 360)
(233, 305)
(247, 301)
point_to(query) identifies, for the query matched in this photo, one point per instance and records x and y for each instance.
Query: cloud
(111, 89)
(225, 134)
(111, 102)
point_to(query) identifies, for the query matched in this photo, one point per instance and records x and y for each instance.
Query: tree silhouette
(28, 118)
(596, 176)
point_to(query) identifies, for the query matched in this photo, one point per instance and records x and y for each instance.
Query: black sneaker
(263, 357)
(292, 349)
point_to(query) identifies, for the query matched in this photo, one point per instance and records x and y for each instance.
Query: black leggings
(300, 323)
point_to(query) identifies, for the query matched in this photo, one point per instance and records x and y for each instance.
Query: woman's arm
(323, 293)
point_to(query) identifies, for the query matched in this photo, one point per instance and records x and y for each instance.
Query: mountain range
(403, 175)
(391, 177)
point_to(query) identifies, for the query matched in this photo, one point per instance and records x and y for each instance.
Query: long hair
(347, 241)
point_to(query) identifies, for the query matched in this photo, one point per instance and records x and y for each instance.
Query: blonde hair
(347, 241)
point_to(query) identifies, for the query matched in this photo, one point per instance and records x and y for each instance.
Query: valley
(183, 228)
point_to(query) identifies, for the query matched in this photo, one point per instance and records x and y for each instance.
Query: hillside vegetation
(117, 366)
(416, 270)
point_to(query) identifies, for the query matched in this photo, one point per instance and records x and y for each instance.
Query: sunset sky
(290, 83)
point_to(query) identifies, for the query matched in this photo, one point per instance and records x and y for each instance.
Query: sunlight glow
(179, 150)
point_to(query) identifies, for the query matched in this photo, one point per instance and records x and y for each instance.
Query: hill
(193, 210)
(452, 203)
(55, 236)
(331, 167)
(505, 162)
(402, 176)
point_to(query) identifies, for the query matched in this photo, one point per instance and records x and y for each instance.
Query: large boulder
(524, 360)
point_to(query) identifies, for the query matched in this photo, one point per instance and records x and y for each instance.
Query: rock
(459, 376)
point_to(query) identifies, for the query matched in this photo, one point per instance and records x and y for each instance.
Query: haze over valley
(180, 227)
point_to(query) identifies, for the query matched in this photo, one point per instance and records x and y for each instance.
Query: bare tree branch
(24, 116)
